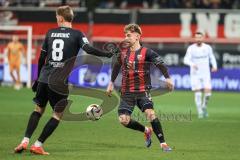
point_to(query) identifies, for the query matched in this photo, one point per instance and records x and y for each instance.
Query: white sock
(206, 97)
(198, 101)
(146, 129)
(25, 139)
(38, 144)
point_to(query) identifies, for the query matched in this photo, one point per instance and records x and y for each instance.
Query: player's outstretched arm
(94, 51)
(115, 71)
(212, 60)
(164, 70)
(41, 62)
(187, 59)
(159, 63)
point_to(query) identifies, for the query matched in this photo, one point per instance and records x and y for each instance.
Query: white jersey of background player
(199, 56)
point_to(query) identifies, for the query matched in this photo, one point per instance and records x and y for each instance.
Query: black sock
(32, 123)
(157, 129)
(135, 125)
(48, 129)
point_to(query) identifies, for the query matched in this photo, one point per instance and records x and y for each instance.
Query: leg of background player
(13, 77)
(18, 83)
(206, 97)
(198, 102)
(157, 128)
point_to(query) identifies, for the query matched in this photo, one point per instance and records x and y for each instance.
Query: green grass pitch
(215, 138)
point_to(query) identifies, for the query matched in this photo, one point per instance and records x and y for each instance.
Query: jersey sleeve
(212, 58)
(118, 58)
(82, 40)
(84, 44)
(187, 58)
(155, 58)
(45, 44)
(116, 67)
(43, 54)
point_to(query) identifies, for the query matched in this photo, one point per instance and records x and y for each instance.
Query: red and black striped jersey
(135, 68)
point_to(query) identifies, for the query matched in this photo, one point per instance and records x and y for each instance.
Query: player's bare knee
(39, 109)
(57, 115)
(150, 114)
(124, 119)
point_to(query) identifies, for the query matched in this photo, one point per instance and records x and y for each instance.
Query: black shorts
(129, 100)
(44, 94)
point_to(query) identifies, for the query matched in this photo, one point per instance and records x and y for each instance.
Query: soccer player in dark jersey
(134, 64)
(60, 45)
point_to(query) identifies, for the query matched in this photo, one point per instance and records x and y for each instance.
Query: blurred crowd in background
(128, 4)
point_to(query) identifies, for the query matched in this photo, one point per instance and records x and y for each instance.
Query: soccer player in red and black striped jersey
(134, 64)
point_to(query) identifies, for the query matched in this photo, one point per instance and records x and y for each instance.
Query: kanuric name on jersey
(61, 35)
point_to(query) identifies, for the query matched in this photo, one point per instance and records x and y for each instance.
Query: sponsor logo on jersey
(139, 57)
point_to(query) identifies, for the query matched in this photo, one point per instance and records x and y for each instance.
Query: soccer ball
(94, 112)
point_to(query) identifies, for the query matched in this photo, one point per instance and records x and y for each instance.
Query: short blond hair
(66, 12)
(133, 28)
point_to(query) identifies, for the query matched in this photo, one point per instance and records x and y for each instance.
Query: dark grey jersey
(60, 45)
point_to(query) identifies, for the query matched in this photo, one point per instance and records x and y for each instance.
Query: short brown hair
(133, 28)
(66, 12)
